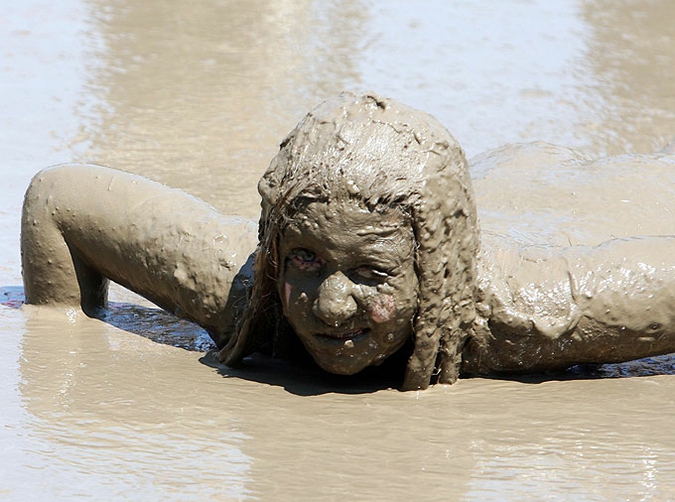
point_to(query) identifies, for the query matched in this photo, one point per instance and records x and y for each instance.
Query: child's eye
(371, 274)
(305, 260)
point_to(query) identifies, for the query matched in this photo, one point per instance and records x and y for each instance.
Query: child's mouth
(346, 335)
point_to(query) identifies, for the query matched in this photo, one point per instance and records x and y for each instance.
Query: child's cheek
(382, 308)
(287, 293)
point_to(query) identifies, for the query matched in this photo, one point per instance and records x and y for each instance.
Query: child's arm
(625, 291)
(549, 310)
(83, 225)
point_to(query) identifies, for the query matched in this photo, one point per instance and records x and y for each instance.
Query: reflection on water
(632, 55)
(107, 405)
(198, 95)
(102, 416)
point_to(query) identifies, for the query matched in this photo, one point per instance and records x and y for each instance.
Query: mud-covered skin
(548, 309)
(386, 155)
(350, 296)
(83, 224)
(499, 306)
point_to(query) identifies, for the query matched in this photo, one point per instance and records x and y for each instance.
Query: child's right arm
(83, 225)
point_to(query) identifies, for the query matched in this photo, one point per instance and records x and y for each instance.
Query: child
(367, 246)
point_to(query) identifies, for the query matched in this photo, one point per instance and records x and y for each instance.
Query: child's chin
(340, 366)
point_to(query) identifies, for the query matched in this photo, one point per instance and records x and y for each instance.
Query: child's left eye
(371, 274)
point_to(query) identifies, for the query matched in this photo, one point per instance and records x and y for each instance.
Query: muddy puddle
(198, 95)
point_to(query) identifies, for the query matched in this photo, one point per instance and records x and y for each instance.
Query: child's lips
(344, 335)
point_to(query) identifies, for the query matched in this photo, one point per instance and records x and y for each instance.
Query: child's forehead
(347, 222)
(350, 215)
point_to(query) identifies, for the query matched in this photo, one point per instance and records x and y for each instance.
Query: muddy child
(368, 246)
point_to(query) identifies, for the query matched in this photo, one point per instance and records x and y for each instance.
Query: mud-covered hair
(385, 155)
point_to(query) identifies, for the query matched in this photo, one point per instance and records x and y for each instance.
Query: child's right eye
(305, 260)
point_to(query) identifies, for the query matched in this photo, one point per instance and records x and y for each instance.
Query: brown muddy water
(198, 95)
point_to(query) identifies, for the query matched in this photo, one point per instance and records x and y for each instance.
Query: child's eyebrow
(378, 231)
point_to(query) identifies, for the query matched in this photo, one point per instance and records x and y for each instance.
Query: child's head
(367, 236)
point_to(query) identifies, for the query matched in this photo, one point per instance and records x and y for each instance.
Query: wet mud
(117, 408)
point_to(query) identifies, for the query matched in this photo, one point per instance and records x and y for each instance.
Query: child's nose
(334, 303)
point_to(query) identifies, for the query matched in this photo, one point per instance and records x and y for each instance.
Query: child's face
(348, 283)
